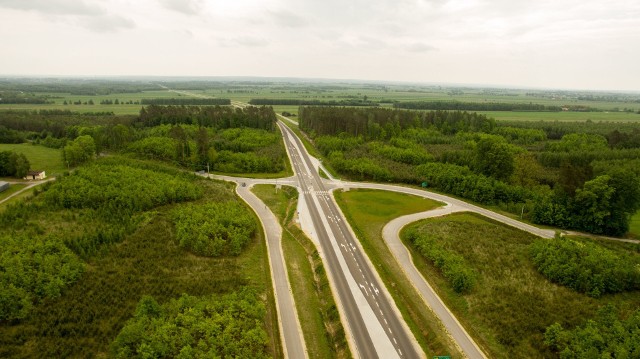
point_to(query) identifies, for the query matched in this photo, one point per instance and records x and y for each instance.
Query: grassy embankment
(634, 225)
(511, 304)
(11, 190)
(368, 211)
(317, 312)
(90, 313)
(40, 157)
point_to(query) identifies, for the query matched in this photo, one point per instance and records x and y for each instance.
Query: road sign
(442, 357)
(424, 184)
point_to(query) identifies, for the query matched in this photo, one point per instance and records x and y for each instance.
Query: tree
(80, 150)
(494, 157)
(202, 145)
(22, 165)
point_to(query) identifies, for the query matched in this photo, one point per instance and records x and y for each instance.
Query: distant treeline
(485, 106)
(371, 122)
(208, 116)
(185, 101)
(296, 102)
(14, 98)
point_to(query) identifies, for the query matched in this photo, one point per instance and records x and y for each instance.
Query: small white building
(35, 175)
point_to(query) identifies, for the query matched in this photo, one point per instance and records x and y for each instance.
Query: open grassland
(11, 190)
(368, 211)
(40, 157)
(90, 313)
(567, 116)
(511, 304)
(317, 312)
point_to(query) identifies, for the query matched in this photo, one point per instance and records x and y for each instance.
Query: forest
(572, 176)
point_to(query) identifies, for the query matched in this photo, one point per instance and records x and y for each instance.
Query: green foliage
(158, 148)
(606, 336)
(79, 151)
(228, 326)
(461, 276)
(475, 106)
(463, 182)
(33, 268)
(185, 101)
(579, 142)
(585, 267)
(494, 157)
(13, 164)
(119, 187)
(214, 229)
(208, 116)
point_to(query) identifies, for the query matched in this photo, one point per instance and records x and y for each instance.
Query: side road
(290, 330)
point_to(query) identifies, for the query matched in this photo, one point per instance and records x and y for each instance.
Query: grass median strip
(368, 211)
(317, 311)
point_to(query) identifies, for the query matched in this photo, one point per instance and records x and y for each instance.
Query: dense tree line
(226, 326)
(606, 336)
(7, 97)
(298, 102)
(191, 101)
(214, 229)
(460, 276)
(378, 123)
(475, 106)
(585, 266)
(8, 135)
(13, 164)
(218, 117)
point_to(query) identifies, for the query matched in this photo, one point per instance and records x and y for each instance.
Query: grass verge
(511, 304)
(317, 311)
(634, 225)
(13, 188)
(368, 211)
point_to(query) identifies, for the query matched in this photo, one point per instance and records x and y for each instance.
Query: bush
(214, 229)
(584, 266)
(195, 327)
(32, 269)
(452, 266)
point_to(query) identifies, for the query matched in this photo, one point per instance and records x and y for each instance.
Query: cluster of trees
(380, 123)
(119, 185)
(31, 269)
(13, 164)
(475, 106)
(602, 205)
(228, 326)
(214, 229)
(218, 117)
(187, 101)
(80, 150)
(8, 135)
(585, 266)
(297, 102)
(21, 98)
(460, 276)
(606, 336)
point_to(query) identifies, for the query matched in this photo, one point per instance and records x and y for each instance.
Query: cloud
(243, 41)
(287, 19)
(107, 23)
(420, 47)
(187, 7)
(56, 7)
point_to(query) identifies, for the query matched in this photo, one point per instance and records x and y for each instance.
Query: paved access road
(374, 326)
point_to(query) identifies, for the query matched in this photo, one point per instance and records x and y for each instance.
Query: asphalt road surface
(374, 325)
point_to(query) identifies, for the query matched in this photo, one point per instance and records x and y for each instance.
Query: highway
(375, 328)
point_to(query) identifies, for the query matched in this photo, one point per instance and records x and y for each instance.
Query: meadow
(368, 211)
(40, 157)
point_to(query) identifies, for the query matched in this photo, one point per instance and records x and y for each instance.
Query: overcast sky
(581, 44)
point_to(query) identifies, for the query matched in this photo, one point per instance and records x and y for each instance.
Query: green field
(511, 304)
(368, 211)
(323, 332)
(563, 116)
(11, 190)
(40, 157)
